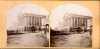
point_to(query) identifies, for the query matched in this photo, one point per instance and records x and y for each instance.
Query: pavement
(72, 40)
(29, 39)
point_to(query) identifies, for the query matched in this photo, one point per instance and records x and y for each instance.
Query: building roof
(29, 14)
(67, 15)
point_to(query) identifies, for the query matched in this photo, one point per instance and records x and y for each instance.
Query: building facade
(26, 20)
(75, 21)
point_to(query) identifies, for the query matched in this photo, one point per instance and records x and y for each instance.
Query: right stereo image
(71, 26)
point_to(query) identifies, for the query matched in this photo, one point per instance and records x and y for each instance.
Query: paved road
(28, 40)
(73, 40)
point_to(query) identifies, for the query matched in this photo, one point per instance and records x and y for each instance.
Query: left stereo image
(27, 26)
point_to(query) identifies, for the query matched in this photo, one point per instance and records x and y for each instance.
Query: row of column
(79, 21)
(33, 21)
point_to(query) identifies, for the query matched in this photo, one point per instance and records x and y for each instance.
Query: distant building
(74, 21)
(26, 20)
(60, 26)
(14, 26)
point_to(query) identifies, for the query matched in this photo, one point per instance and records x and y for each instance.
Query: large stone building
(26, 20)
(74, 21)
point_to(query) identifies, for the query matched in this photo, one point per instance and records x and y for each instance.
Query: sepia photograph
(71, 26)
(27, 26)
(49, 24)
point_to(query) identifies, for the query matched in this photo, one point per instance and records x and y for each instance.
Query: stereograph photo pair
(68, 25)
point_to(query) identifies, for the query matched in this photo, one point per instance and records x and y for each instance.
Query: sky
(58, 13)
(23, 8)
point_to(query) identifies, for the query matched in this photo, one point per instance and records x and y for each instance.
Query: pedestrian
(33, 29)
(78, 29)
(39, 28)
(45, 30)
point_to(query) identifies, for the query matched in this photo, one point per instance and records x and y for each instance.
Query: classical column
(76, 22)
(86, 22)
(82, 22)
(39, 21)
(24, 22)
(34, 21)
(79, 21)
(73, 21)
(27, 21)
(69, 21)
(31, 20)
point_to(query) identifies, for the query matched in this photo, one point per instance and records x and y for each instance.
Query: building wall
(75, 21)
(28, 20)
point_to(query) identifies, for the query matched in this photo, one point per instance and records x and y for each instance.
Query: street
(72, 40)
(37, 39)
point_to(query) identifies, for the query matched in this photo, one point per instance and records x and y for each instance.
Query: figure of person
(39, 28)
(78, 29)
(33, 29)
(45, 30)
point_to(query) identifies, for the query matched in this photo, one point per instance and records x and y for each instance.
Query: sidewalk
(27, 40)
(73, 40)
